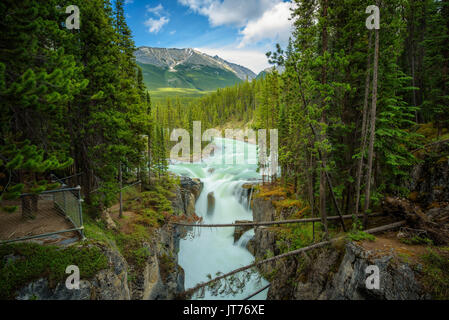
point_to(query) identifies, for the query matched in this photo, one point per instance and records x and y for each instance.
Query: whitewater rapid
(207, 251)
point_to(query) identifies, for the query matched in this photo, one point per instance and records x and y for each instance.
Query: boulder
(195, 186)
(210, 203)
(397, 281)
(110, 223)
(189, 192)
(109, 284)
(263, 210)
(190, 205)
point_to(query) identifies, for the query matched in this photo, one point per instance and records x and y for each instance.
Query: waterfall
(212, 250)
(245, 238)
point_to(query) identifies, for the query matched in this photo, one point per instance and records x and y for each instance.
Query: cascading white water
(245, 238)
(210, 251)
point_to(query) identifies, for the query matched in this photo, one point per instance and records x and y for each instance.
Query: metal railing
(44, 215)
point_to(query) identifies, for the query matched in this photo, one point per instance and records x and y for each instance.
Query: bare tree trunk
(412, 50)
(149, 159)
(311, 195)
(121, 186)
(323, 212)
(27, 210)
(34, 204)
(445, 71)
(364, 128)
(373, 129)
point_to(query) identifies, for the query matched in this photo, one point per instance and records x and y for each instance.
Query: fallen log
(257, 292)
(270, 223)
(288, 254)
(438, 232)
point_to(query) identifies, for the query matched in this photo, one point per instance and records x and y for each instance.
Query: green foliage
(417, 240)
(357, 233)
(151, 209)
(22, 263)
(297, 236)
(72, 99)
(436, 276)
(236, 103)
(316, 103)
(360, 236)
(202, 78)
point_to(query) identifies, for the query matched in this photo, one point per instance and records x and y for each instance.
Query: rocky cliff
(338, 272)
(158, 276)
(108, 284)
(333, 274)
(162, 278)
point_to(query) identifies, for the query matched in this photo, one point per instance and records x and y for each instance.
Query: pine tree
(37, 83)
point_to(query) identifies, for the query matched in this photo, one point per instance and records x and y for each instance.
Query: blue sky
(240, 31)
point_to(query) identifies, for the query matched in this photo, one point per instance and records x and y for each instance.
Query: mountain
(263, 73)
(189, 69)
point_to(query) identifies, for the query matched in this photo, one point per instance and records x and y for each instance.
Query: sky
(239, 31)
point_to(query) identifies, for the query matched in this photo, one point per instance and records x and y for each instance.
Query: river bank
(410, 267)
(133, 257)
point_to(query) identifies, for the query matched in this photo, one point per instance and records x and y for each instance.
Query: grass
(177, 92)
(436, 272)
(167, 265)
(151, 209)
(129, 245)
(360, 236)
(287, 203)
(417, 240)
(357, 234)
(268, 191)
(35, 261)
(186, 80)
(297, 236)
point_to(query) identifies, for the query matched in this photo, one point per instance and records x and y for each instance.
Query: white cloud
(257, 19)
(230, 12)
(274, 24)
(129, 1)
(158, 10)
(155, 25)
(252, 59)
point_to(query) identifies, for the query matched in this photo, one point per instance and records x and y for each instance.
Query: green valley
(195, 78)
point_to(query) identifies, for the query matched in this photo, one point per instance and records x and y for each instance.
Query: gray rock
(186, 196)
(263, 210)
(40, 290)
(151, 284)
(177, 201)
(210, 203)
(195, 186)
(109, 284)
(397, 280)
(110, 224)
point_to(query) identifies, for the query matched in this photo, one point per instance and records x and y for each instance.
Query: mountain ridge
(172, 57)
(169, 70)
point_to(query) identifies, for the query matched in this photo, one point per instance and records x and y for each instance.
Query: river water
(207, 251)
